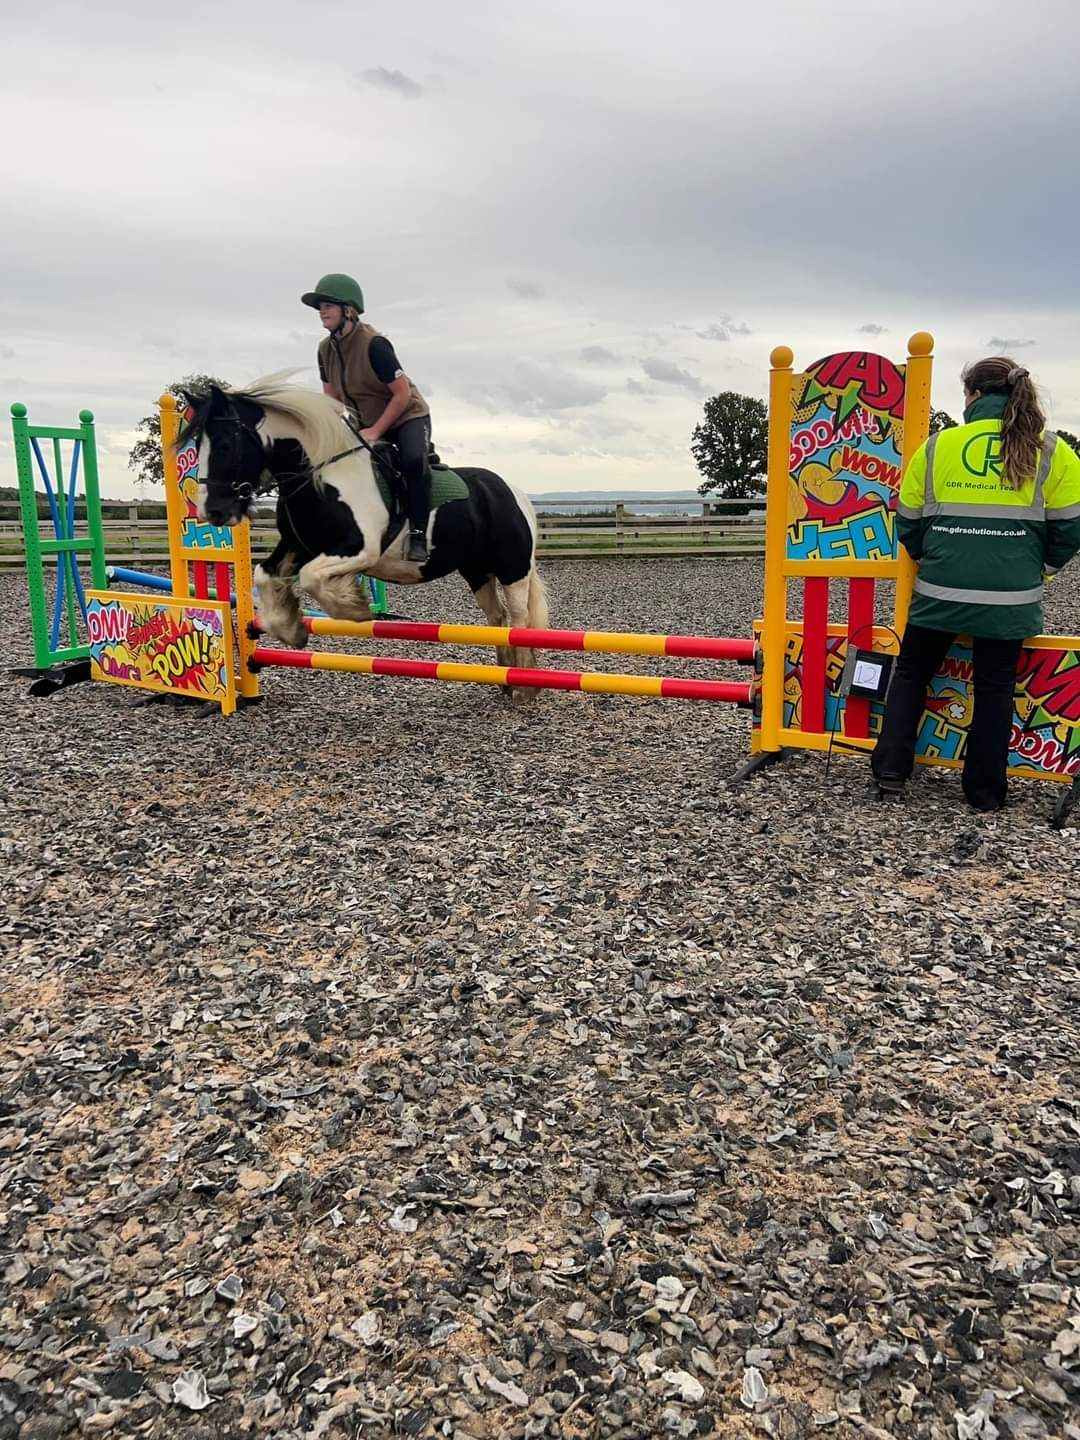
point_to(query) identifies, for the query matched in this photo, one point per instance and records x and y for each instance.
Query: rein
(245, 490)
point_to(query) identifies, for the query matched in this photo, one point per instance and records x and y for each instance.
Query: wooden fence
(637, 529)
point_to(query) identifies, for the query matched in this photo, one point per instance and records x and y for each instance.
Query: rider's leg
(413, 440)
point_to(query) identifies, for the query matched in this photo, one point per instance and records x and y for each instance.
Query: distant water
(635, 502)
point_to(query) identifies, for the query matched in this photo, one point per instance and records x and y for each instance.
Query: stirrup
(416, 547)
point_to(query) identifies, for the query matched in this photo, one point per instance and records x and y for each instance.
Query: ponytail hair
(1023, 422)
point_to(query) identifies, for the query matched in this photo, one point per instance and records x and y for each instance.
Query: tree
(941, 420)
(1070, 439)
(730, 446)
(145, 457)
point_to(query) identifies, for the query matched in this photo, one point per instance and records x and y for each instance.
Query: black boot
(416, 550)
(888, 786)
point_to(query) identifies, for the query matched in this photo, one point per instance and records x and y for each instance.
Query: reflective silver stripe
(909, 512)
(977, 597)
(931, 446)
(1049, 445)
(1066, 512)
(1036, 511)
(990, 512)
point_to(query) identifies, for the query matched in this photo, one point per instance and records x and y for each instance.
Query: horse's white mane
(317, 421)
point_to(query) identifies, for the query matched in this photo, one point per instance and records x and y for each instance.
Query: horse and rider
(360, 368)
(337, 518)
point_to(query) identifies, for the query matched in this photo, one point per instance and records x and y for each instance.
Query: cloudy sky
(575, 218)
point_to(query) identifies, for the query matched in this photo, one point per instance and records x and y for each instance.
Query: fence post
(620, 523)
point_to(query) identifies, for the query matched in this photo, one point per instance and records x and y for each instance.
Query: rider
(359, 368)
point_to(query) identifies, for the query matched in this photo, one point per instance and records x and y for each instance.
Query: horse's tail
(538, 596)
(538, 600)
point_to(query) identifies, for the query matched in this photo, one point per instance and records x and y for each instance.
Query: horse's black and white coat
(333, 521)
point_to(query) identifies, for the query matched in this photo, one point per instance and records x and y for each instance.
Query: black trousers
(987, 752)
(413, 440)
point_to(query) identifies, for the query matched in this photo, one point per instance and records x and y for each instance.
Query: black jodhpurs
(987, 752)
(413, 440)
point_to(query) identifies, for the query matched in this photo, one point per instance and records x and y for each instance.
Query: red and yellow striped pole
(601, 642)
(589, 682)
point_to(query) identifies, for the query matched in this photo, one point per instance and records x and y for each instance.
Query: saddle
(388, 461)
(445, 485)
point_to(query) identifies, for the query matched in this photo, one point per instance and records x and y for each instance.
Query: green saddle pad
(446, 485)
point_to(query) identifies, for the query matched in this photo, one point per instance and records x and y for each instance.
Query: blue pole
(139, 577)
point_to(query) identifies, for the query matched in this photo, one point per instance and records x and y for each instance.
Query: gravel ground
(392, 1060)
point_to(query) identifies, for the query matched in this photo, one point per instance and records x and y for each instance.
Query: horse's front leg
(341, 593)
(278, 606)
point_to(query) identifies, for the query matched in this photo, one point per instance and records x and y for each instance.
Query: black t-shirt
(383, 361)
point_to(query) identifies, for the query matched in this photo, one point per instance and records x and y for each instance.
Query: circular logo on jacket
(982, 454)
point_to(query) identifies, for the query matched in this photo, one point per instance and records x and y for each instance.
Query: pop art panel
(1045, 739)
(171, 647)
(196, 534)
(847, 443)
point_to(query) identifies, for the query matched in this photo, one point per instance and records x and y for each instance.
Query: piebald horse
(334, 523)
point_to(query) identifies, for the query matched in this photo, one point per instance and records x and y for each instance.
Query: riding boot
(418, 508)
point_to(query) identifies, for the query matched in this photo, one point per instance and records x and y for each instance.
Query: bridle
(244, 490)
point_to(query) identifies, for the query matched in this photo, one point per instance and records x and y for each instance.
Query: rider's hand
(371, 436)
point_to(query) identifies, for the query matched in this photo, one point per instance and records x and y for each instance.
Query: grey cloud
(527, 289)
(670, 374)
(379, 78)
(597, 435)
(723, 329)
(451, 198)
(598, 355)
(871, 329)
(6, 352)
(1008, 342)
(530, 388)
(565, 445)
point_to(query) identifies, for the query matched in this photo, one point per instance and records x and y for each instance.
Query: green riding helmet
(338, 289)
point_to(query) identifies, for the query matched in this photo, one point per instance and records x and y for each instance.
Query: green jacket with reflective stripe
(983, 548)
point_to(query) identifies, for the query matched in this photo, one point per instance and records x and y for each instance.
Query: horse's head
(232, 454)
